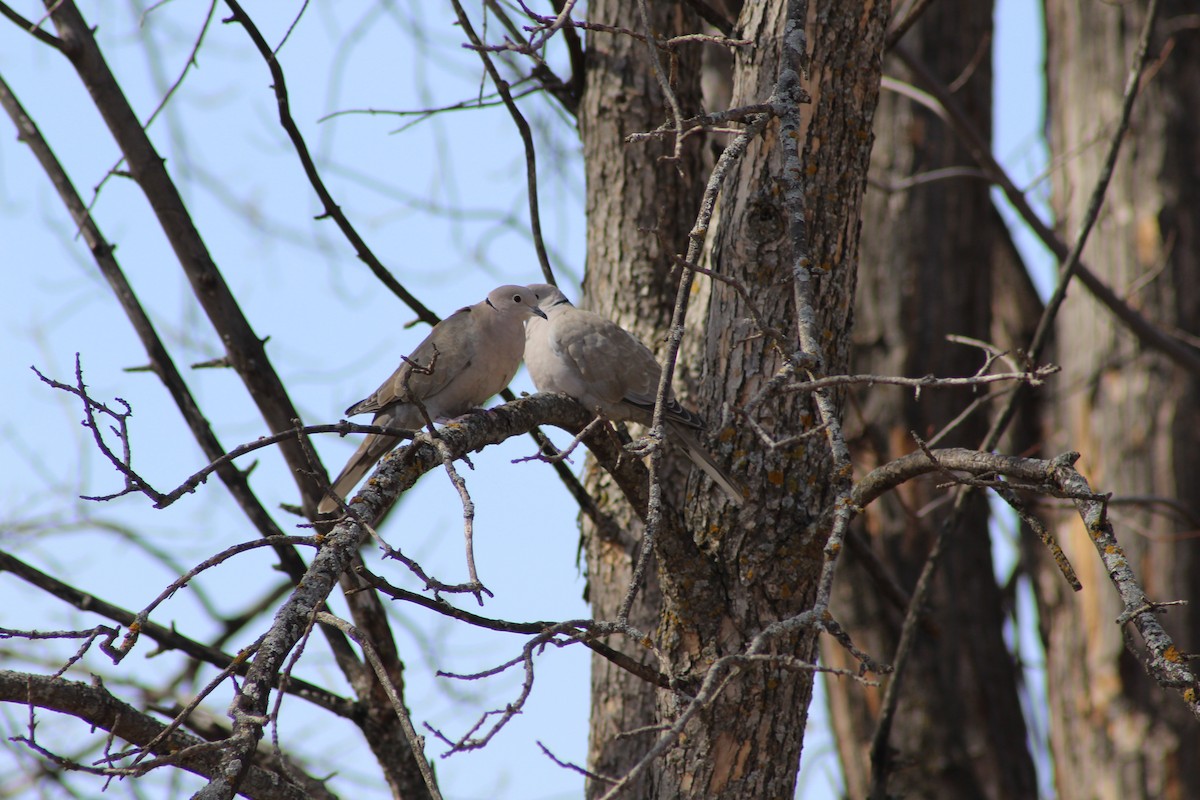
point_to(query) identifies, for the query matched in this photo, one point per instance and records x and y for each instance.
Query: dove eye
(516, 298)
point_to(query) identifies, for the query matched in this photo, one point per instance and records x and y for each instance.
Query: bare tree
(726, 234)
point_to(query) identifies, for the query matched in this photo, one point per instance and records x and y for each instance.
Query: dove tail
(705, 461)
(366, 456)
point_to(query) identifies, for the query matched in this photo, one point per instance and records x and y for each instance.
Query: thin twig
(162, 104)
(468, 508)
(663, 83)
(1035, 378)
(166, 638)
(561, 455)
(595, 776)
(143, 616)
(535, 220)
(331, 208)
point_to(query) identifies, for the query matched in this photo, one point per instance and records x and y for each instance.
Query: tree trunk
(732, 572)
(638, 206)
(926, 273)
(1129, 411)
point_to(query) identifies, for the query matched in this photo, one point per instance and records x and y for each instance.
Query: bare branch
(332, 209)
(1035, 378)
(696, 237)
(663, 83)
(501, 85)
(468, 507)
(561, 455)
(593, 629)
(160, 359)
(31, 28)
(1069, 265)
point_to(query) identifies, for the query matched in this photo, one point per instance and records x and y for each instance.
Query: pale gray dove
(609, 370)
(467, 357)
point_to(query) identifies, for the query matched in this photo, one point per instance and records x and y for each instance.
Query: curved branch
(332, 209)
(33, 30)
(1165, 662)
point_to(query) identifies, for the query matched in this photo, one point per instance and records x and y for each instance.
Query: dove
(610, 371)
(467, 357)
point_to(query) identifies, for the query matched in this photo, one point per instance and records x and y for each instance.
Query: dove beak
(538, 312)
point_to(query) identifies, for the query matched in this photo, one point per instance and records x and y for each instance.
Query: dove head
(548, 296)
(518, 301)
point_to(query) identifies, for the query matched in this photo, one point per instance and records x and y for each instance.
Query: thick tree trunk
(732, 572)
(925, 273)
(1130, 412)
(639, 205)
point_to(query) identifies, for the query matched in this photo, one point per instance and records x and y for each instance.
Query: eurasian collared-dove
(467, 357)
(606, 368)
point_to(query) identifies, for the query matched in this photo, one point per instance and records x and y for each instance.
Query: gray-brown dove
(609, 370)
(467, 357)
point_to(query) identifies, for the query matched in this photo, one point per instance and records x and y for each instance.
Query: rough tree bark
(1131, 412)
(925, 273)
(628, 278)
(732, 573)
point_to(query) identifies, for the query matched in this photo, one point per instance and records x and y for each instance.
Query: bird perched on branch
(610, 371)
(467, 357)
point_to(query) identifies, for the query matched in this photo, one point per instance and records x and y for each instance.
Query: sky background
(442, 202)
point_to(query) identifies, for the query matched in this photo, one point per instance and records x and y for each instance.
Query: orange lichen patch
(775, 477)
(725, 435)
(729, 762)
(691, 643)
(1148, 240)
(1172, 654)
